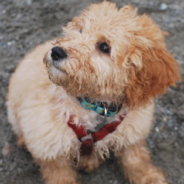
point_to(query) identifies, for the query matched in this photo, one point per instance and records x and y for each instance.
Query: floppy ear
(159, 70)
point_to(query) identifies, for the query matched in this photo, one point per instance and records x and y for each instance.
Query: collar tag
(102, 119)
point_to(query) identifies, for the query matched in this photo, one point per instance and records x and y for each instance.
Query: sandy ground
(26, 23)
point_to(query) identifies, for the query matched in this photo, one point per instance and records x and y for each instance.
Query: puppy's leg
(89, 163)
(58, 172)
(138, 168)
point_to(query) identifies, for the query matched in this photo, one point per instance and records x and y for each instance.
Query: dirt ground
(26, 23)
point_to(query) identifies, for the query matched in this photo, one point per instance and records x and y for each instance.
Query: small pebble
(151, 3)
(19, 170)
(157, 129)
(165, 119)
(115, 182)
(12, 166)
(163, 6)
(10, 43)
(4, 11)
(29, 2)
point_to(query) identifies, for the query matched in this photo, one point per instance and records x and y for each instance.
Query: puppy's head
(112, 54)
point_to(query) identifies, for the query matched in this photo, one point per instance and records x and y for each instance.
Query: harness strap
(88, 139)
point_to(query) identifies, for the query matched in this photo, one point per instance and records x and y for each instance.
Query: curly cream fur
(138, 68)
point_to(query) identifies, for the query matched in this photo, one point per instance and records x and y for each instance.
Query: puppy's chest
(93, 129)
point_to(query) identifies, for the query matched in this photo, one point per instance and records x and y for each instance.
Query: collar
(100, 107)
(87, 138)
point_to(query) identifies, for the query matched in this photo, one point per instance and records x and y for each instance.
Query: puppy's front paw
(62, 180)
(58, 172)
(153, 178)
(89, 163)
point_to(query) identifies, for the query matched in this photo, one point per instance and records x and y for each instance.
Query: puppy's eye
(104, 48)
(80, 30)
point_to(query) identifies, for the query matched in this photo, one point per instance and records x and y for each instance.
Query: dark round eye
(80, 30)
(104, 48)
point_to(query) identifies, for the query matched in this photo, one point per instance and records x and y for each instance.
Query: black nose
(58, 54)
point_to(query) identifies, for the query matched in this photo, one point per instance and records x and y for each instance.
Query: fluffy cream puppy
(104, 75)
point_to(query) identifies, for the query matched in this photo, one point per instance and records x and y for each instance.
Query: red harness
(88, 139)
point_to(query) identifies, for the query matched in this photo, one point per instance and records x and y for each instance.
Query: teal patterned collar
(99, 107)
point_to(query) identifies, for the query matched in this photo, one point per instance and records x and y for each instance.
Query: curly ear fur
(152, 68)
(159, 71)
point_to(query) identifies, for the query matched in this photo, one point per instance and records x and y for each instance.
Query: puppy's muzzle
(58, 54)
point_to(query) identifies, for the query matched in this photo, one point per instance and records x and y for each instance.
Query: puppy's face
(112, 54)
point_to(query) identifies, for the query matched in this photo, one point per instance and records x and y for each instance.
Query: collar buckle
(102, 108)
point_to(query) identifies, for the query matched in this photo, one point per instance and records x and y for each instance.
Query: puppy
(104, 74)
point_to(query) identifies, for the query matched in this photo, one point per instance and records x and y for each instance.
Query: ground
(26, 23)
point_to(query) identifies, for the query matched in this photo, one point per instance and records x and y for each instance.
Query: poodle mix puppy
(93, 93)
